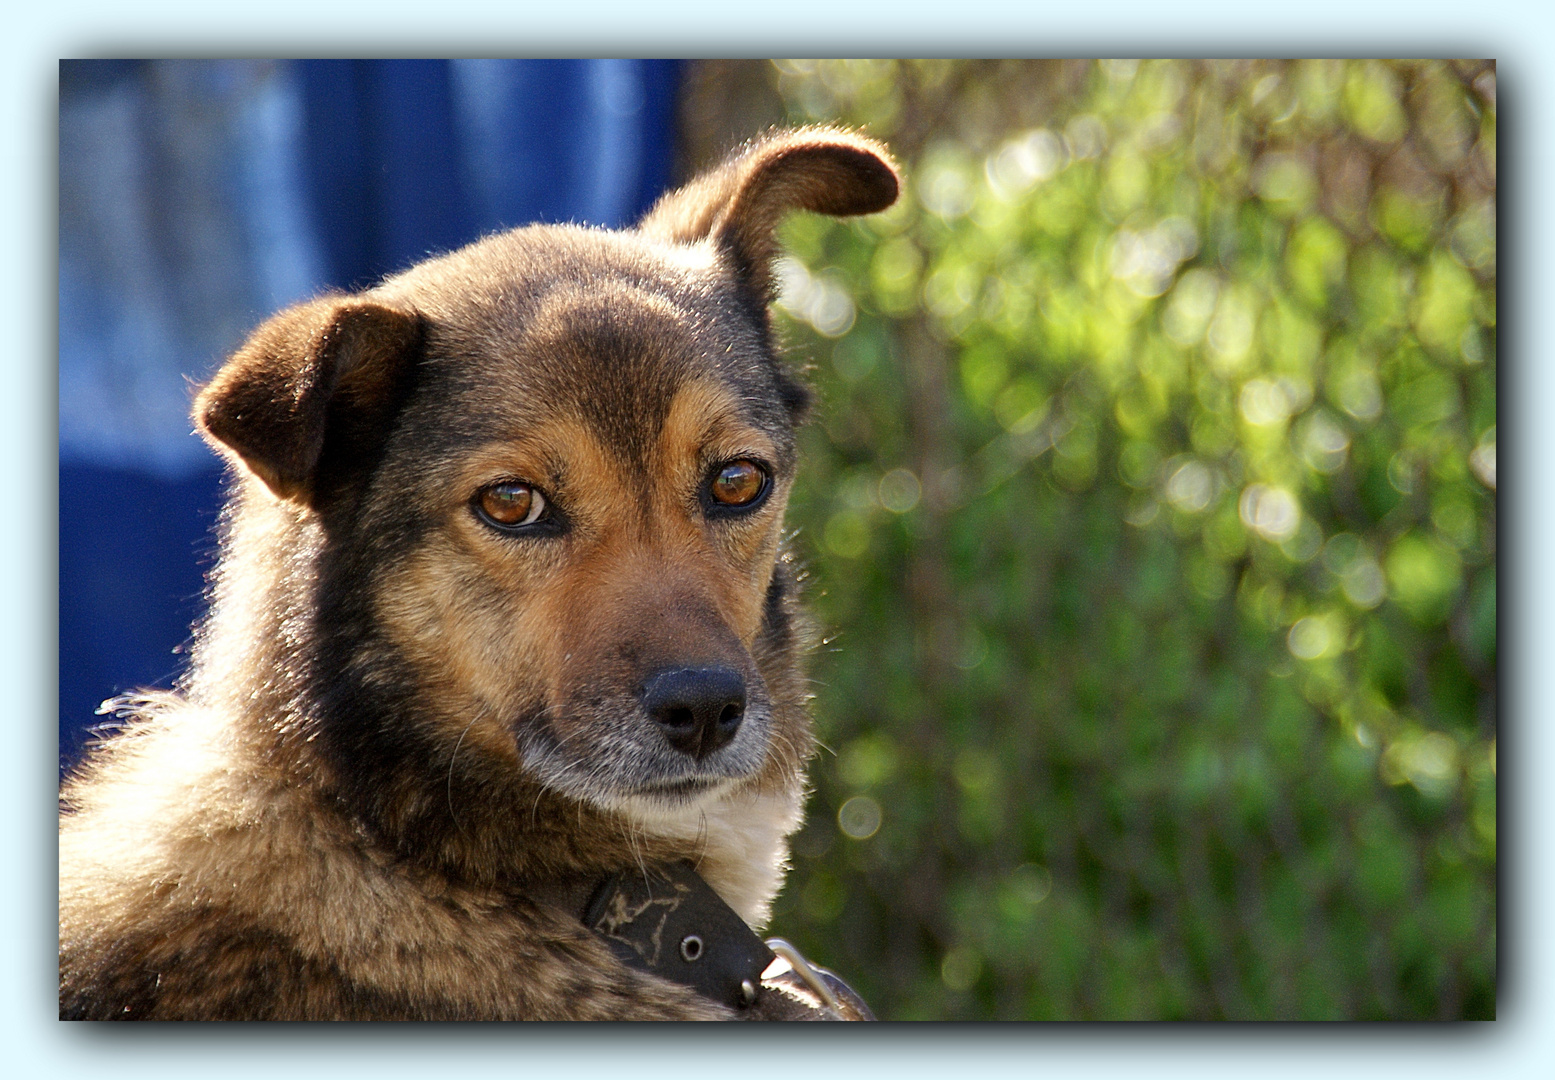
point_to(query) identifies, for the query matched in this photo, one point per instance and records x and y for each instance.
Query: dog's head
(547, 476)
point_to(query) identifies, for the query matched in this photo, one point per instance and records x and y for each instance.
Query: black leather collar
(668, 921)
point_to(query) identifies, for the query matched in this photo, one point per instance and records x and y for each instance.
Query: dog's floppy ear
(324, 370)
(739, 203)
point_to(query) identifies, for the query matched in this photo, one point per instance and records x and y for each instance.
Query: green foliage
(1152, 504)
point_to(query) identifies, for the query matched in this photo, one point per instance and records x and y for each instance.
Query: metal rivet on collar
(747, 993)
(691, 948)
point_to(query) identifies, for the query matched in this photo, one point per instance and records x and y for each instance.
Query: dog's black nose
(699, 709)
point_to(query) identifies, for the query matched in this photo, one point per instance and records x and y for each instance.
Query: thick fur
(403, 729)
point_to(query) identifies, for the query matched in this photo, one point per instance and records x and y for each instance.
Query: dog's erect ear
(323, 371)
(739, 203)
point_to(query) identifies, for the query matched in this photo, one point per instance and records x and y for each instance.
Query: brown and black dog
(502, 612)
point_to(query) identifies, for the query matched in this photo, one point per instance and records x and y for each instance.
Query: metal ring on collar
(812, 978)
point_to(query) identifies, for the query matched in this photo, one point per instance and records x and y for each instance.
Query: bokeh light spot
(859, 817)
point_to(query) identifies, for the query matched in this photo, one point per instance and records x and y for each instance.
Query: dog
(498, 711)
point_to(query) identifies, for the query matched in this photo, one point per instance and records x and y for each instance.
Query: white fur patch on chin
(742, 838)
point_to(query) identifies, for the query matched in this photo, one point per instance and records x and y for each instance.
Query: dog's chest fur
(502, 603)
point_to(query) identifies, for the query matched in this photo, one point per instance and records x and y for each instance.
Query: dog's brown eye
(511, 503)
(739, 483)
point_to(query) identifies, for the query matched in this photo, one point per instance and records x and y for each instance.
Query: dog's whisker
(454, 756)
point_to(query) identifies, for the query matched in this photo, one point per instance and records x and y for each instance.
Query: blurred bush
(1151, 502)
